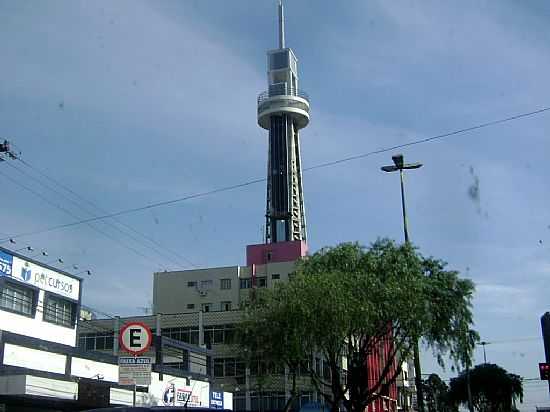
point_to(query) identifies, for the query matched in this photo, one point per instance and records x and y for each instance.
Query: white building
(37, 300)
(41, 367)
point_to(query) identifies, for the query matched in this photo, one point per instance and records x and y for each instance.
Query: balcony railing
(282, 91)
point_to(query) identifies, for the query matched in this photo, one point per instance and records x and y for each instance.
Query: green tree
(268, 332)
(436, 395)
(493, 389)
(344, 303)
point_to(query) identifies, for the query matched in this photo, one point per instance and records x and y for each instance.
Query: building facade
(41, 366)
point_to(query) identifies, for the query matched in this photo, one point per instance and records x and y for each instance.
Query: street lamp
(399, 164)
(483, 343)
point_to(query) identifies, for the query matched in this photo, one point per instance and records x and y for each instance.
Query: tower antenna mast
(281, 25)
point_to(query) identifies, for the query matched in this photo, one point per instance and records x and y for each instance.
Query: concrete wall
(171, 293)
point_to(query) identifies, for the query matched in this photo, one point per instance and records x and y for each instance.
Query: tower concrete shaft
(283, 110)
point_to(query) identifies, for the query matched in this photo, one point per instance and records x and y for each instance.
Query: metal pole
(470, 403)
(416, 351)
(116, 333)
(405, 228)
(418, 378)
(484, 354)
(134, 396)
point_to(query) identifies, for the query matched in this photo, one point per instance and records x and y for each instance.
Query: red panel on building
(275, 252)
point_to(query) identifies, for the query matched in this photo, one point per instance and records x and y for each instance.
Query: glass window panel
(109, 342)
(218, 367)
(194, 335)
(59, 311)
(90, 344)
(230, 367)
(16, 298)
(218, 336)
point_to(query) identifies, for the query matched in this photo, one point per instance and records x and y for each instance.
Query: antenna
(281, 25)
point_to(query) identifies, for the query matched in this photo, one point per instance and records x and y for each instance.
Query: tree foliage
(436, 395)
(344, 303)
(493, 389)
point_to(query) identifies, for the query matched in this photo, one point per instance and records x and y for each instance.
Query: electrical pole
(400, 165)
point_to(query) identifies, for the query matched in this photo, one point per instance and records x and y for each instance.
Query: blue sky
(130, 103)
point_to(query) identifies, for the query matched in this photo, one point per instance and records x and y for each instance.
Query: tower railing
(277, 90)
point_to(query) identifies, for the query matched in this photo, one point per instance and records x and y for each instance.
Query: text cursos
(45, 280)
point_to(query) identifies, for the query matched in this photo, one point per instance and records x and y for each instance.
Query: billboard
(36, 275)
(216, 400)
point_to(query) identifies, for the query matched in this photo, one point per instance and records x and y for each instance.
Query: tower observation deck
(283, 110)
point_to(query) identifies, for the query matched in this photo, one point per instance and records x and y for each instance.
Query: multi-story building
(41, 367)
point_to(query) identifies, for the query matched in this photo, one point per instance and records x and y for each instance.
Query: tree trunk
(293, 394)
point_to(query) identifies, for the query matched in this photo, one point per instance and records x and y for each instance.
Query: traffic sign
(134, 370)
(135, 337)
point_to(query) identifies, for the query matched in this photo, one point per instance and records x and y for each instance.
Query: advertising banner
(6, 263)
(43, 278)
(216, 400)
(176, 392)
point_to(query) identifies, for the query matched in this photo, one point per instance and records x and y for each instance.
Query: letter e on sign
(135, 337)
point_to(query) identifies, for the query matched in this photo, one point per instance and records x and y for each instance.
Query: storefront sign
(43, 278)
(6, 263)
(216, 400)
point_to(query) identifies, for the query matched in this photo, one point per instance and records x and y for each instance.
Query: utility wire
(101, 210)
(157, 247)
(258, 180)
(67, 211)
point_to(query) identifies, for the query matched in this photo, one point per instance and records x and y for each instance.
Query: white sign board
(41, 277)
(134, 370)
(135, 337)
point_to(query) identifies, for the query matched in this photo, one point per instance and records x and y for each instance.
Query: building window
(225, 283)
(261, 282)
(17, 299)
(190, 306)
(245, 283)
(191, 284)
(275, 276)
(183, 334)
(96, 341)
(228, 367)
(206, 284)
(226, 306)
(206, 307)
(59, 311)
(219, 334)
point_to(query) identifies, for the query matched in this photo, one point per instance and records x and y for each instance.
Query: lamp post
(400, 165)
(483, 343)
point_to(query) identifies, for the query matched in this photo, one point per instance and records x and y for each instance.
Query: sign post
(135, 338)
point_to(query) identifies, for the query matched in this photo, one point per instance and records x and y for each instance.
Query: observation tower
(283, 109)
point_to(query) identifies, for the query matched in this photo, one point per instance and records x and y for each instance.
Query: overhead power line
(67, 211)
(259, 180)
(156, 246)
